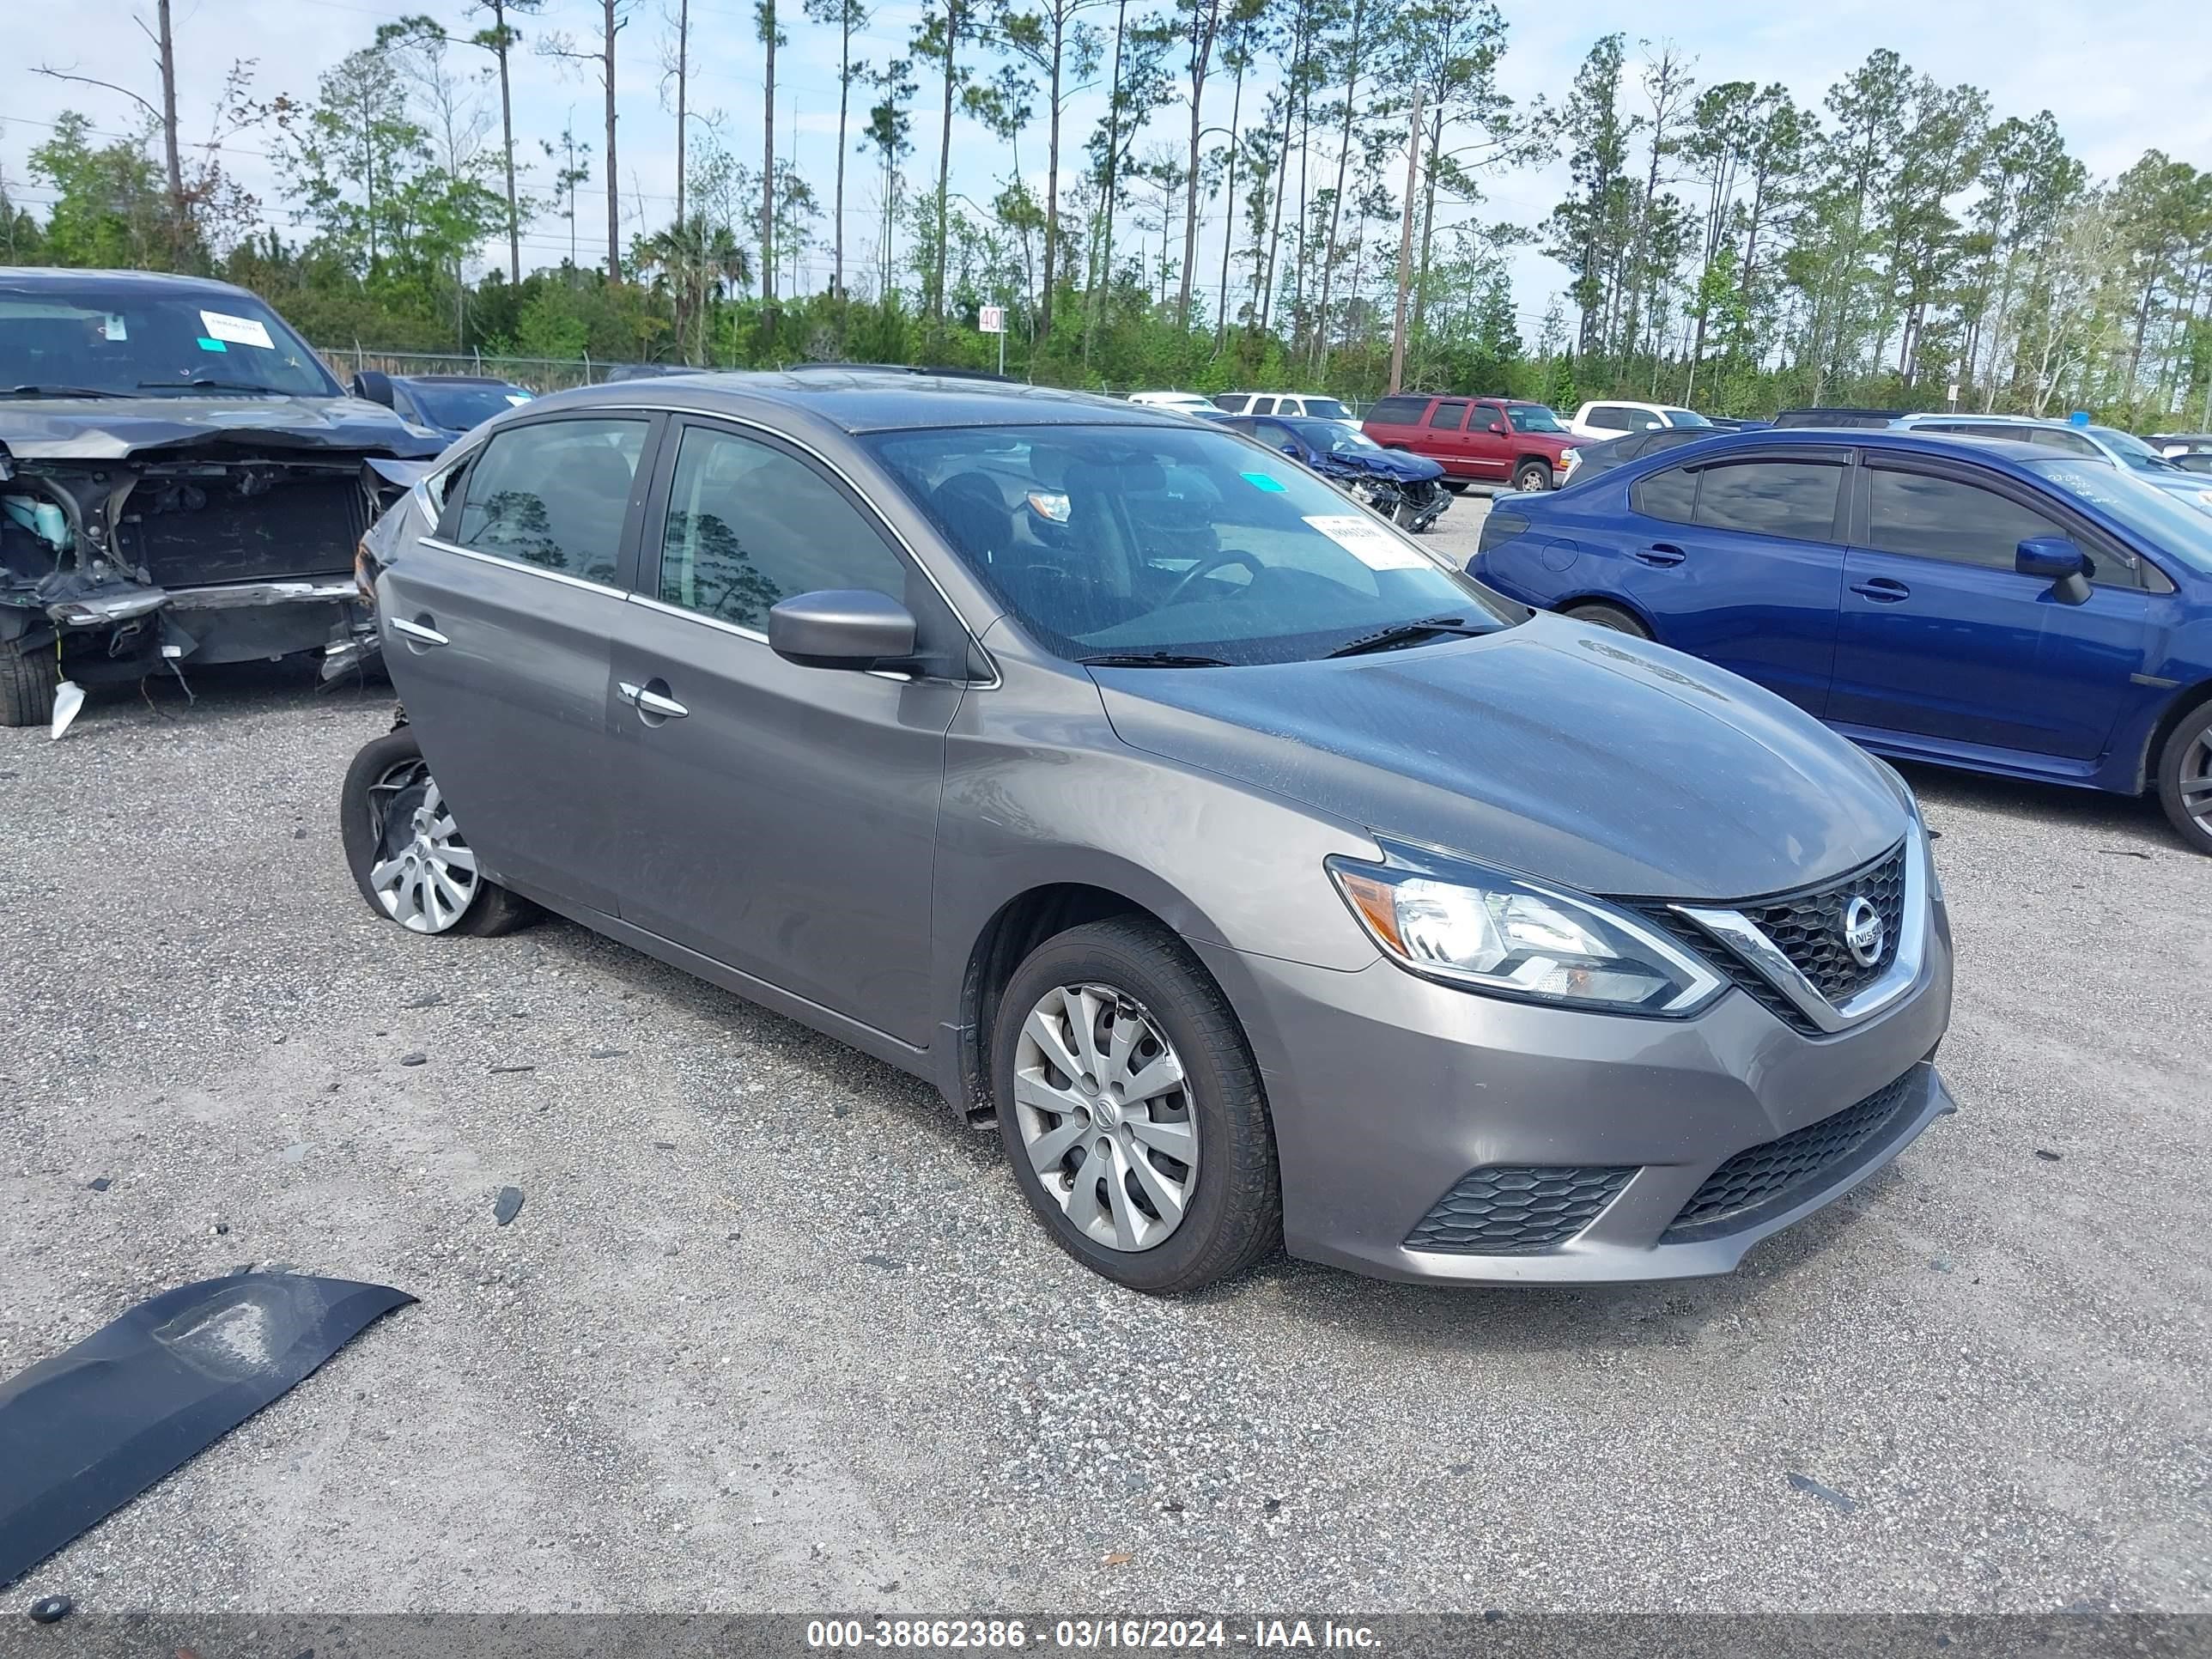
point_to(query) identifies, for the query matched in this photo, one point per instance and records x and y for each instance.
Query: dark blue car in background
(1405, 487)
(1979, 604)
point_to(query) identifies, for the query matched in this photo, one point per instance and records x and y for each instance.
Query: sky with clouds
(2121, 78)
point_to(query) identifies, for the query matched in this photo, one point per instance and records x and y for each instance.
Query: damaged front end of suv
(181, 483)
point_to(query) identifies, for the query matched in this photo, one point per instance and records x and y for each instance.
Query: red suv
(1479, 440)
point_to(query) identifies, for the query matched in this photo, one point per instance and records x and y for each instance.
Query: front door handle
(1661, 554)
(654, 705)
(1882, 590)
(421, 632)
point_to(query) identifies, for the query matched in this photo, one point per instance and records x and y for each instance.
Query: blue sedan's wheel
(1608, 616)
(2185, 778)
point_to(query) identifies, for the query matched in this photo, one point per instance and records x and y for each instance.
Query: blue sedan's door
(1942, 638)
(1742, 564)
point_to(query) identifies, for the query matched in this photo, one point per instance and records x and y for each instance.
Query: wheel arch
(2184, 703)
(1615, 601)
(1015, 929)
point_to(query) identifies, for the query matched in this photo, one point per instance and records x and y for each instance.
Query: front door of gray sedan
(780, 819)
(496, 631)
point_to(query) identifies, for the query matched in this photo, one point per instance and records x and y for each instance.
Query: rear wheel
(1132, 1110)
(27, 679)
(407, 856)
(2185, 778)
(1599, 615)
(1532, 476)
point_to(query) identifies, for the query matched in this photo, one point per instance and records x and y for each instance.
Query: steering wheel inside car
(1206, 566)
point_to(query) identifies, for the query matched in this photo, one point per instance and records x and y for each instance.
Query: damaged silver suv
(181, 481)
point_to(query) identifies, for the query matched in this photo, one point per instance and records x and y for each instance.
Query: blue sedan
(1991, 605)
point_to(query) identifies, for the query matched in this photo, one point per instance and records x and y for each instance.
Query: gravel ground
(773, 1331)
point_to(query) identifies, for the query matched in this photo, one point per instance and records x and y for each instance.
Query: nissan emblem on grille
(1863, 931)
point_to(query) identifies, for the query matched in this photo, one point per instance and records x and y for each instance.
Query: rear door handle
(421, 632)
(648, 701)
(1882, 590)
(1661, 554)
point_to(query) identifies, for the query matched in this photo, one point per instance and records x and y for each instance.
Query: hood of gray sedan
(1563, 751)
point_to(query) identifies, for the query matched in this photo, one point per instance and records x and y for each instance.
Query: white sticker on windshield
(517, 398)
(1369, 543)
(237, 331)
(114, 327)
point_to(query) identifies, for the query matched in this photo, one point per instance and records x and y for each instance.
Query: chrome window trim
(1745, 937)
(504, 563)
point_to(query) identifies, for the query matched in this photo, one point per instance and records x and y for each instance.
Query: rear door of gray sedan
(497, 625)
(780, 819)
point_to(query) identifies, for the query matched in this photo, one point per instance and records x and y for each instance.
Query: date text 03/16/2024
(1088, 1635)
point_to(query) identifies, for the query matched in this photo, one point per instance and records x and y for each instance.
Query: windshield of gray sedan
(1142, 541)
(137, 343)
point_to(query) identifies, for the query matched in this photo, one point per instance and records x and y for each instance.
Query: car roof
(72, 279)
(1767, 440)
(874, 400)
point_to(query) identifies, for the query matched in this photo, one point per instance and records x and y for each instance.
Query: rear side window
(1232, 402)
(1672, 496)
(748, 525)
(1606, 417)
(1449, 416)
(1932, 517)
(1795, 499)
(554, 493)
(1261, 406)
(1398, 411)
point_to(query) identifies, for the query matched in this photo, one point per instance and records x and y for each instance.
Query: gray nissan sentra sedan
(1268, 883)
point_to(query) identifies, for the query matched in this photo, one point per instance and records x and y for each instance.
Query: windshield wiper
(208, 386)
(1401, 634)
(60, 392)
(1150, 659)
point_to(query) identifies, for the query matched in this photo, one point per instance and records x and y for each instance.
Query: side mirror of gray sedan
(841, 628)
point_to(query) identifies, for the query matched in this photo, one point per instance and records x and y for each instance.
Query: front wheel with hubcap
(2185, 778)
(407, 856)
(1530, 477)
(1132, 1109)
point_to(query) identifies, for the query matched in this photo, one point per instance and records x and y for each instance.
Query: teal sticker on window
(207, 344)
(1262, 480)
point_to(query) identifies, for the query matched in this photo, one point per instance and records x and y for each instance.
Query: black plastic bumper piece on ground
(83, 1433)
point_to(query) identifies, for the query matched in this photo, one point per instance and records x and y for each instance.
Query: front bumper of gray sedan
(1426, 1133)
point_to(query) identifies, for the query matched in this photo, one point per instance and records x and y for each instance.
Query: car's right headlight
(1505, 935)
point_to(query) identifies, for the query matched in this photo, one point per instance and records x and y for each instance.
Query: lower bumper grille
(1516, 1210)
(1778, 1171)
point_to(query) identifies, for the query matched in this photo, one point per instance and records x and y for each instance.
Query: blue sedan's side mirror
(1293, 451)
(2058, 562)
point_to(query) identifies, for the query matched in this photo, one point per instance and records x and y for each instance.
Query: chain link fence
(558, 373)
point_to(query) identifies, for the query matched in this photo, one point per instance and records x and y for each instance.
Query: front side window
(1793, 500)
(1449, 416)
(1932, 518)
(150, 342)
(1534, 417)
(748, 525)
(554, 493)
(1134, 541)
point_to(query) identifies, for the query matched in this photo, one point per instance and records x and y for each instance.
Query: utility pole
(169, 49)
(1406, 245)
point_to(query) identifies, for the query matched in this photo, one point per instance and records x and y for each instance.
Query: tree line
(1721, 244)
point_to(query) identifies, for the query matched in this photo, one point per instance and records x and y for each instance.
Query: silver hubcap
(1106, 1115)
(1531, 482)
(428, 879)
(2196, 781)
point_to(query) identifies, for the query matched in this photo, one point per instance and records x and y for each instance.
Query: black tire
(1235, 1216)
(1530, 477)
(491, 910)
(1599, 615)
(28, 680)
(2188, 745)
